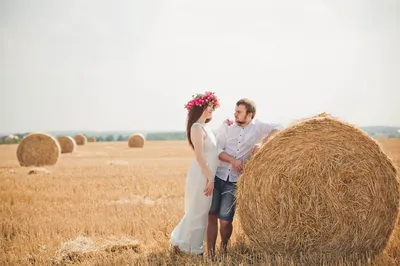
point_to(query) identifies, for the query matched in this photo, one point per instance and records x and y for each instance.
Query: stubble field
(107, 204)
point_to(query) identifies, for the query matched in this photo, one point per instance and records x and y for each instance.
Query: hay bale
(67, 144)
(80, 139)
(136, 141)
(38, 149)
(320, 188)
(92, 139)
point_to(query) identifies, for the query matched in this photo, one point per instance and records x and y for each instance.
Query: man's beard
(240, 122)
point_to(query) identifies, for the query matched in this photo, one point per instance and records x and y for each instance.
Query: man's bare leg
(226, 232)
(212, 232)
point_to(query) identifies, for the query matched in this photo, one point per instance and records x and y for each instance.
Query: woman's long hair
(194, 115)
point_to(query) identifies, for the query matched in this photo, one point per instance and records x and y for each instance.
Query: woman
(189, 234)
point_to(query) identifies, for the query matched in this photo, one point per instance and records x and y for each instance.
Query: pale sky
(132, 65)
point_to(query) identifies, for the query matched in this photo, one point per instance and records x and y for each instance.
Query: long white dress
(189, 234)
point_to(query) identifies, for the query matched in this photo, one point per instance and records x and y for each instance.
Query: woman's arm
(197, 136)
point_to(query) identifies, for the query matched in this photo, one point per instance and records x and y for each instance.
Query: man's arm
(267, 130)
(266, 138)
(236, 163)
(222, 155)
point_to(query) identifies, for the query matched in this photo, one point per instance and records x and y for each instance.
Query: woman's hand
(208, 191)
(208, 174)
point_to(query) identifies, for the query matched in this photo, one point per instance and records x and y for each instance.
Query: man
(236, 144)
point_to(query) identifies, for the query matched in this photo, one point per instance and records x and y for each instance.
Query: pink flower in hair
(207, 99)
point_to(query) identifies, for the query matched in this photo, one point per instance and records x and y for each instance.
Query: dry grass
(91, 209)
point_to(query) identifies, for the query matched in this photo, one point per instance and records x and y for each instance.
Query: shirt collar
(252, 122)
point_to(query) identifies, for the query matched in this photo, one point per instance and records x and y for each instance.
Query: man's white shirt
(238, 141)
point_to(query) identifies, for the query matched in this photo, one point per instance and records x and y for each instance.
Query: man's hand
(255, 148)
(208, 191)
(237, 165)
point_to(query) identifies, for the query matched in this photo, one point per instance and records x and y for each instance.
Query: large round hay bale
(92, 139)
(320, 188)
(136, 141)
(80, 139)
(67, 144)
(38, 149)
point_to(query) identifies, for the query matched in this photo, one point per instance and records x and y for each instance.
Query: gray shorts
(223, 199)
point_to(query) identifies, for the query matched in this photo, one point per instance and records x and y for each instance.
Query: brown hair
(249, 104)
(194, 115)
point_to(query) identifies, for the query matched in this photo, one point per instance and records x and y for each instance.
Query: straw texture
(38, 149)
(136, 141)
(80, 139)
(320, 188)
(67, 144)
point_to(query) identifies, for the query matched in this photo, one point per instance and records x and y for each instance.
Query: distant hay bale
(320, 188)
(136, 141)
(67, 144)
(92, 139)
(80, 139)
(38, 149)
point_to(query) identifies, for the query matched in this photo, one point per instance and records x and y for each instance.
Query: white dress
(189, 234)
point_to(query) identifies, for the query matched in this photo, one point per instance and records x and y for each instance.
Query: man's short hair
(249, 104)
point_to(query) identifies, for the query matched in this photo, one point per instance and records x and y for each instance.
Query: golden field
(108, 204)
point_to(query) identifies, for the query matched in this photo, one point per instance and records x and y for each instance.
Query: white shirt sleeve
(221, 138)
(266, 127)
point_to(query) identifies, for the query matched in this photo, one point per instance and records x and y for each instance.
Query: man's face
(241, 116)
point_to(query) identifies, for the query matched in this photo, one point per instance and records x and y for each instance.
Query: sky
(132, 65)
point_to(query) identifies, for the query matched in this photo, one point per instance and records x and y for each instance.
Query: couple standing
(211, 179)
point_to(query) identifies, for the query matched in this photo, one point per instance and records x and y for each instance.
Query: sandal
(175, 250)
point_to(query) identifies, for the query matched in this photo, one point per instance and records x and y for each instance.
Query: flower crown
(207, 99)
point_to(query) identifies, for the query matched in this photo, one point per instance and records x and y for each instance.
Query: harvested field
(108, 204)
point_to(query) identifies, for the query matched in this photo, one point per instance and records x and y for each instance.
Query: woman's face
(207, 113)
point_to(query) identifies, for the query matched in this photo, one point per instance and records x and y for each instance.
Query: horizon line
(135, 131)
